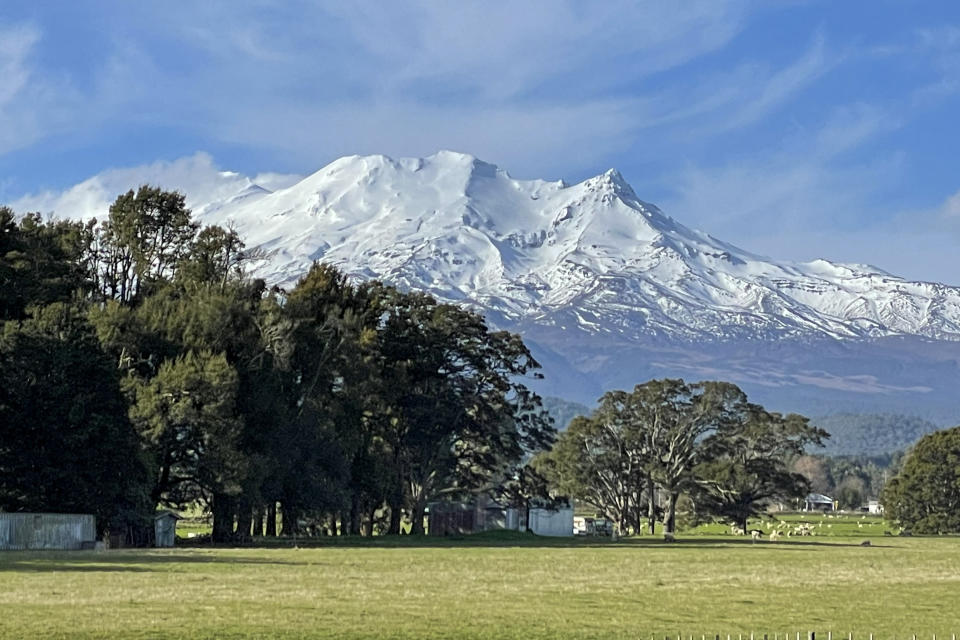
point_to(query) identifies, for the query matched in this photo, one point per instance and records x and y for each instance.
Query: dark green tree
(749, 463)
(458, 410)
(595, 461)
(215, 256)
(147, 234)
(925, 496)
(40, 263)
(332, 332)
(187, 415)
(674, 421)
(66, 444)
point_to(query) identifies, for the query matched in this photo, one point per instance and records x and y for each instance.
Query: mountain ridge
(532, 250)
(605, 288)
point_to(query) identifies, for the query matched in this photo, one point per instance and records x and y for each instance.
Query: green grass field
(496, 585)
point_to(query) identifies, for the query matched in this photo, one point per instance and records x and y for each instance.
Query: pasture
(494, 585)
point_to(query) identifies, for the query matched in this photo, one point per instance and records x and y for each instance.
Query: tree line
(872, 434)
(141, 367)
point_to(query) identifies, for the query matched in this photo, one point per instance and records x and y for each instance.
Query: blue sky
(793, 129)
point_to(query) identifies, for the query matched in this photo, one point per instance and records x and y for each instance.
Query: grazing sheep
(774, 536)
(755, 534)
(737, 531)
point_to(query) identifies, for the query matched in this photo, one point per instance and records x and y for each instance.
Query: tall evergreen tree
(66, 444)
(458, 410)
(187, 414)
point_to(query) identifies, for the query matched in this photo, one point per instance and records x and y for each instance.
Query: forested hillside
(875, 434)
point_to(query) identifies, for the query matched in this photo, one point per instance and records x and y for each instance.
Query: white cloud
(806, 197)
(507, 81)
(950, 209)
(28, 104)
(16, 43)
(197, 176)
(500, 50)
(850, 126)
(531, 143)
(489, 50)
(784, 83)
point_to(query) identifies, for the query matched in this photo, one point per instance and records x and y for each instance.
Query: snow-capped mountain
(607, 290)
(590, 256)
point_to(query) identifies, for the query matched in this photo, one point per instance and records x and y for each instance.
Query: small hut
(165, 528)
(819, 502)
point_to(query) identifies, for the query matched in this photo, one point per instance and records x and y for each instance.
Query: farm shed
(165, 528)
(551, 522)
(819, 502)
(20, 531)
(455, 518)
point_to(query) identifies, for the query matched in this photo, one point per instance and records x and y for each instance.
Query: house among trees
(819, 502)
(484, 514)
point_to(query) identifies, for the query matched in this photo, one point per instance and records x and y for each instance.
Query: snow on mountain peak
(589, 256)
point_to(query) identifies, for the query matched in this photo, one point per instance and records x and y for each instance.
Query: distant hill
(858, 434)
(563, 411)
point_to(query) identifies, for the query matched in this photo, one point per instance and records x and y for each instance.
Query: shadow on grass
(42, 566)
(148, 560)
(509, 539)
(120, 560)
